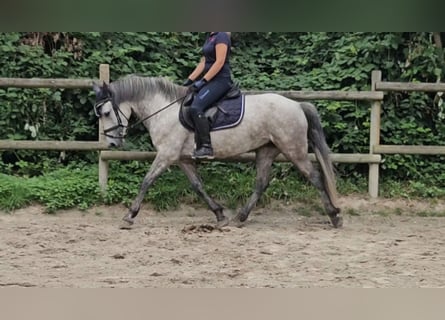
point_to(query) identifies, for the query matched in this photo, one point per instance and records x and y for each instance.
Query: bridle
(124, 128)
(117, 113)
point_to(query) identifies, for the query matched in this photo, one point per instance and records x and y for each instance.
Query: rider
(214, 84)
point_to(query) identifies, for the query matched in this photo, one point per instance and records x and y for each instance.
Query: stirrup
(205, 152)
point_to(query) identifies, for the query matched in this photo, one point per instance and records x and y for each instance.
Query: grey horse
(272, 124)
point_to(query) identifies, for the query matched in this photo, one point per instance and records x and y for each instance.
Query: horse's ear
(105, 86)
(106, 89)
(97, 89)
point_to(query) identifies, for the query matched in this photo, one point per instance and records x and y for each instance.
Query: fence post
(374, 137)
(104, 76)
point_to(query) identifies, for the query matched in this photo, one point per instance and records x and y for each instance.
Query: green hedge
(282, 61)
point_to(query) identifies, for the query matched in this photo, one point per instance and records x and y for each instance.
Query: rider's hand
(187, 82)
(197, 85)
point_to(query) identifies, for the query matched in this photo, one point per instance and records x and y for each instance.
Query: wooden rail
(327, 95)
(404, 86)
(396, 149)
(46, 83)
(246, 157)
(52, 145)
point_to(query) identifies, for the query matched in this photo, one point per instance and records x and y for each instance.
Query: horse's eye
(106, 113)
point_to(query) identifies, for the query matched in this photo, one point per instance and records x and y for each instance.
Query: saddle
(212, 112)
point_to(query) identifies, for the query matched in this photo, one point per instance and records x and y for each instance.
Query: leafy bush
(66, 188)
(261, 61)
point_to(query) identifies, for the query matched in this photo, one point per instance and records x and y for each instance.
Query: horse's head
(114, 119)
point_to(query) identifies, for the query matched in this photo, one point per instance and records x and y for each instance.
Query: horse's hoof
(242, 216)
(236, 220)
(337, 221)
(222, 223)
(127, 223)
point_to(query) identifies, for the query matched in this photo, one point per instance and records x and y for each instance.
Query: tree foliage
(260, 61)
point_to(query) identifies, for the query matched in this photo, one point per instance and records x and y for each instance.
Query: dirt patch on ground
(383, 243)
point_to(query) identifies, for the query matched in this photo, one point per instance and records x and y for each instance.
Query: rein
(119, 121)
(155, 113)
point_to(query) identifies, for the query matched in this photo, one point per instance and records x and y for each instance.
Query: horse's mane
(134, 88)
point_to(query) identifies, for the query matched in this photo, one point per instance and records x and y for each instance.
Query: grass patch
(426, 213)
(305, 211)
(411, 189)
(383, 213)
(231, 184)
(352, 212)
(14, 193)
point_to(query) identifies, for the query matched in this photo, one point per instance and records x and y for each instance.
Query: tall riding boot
(202, 137)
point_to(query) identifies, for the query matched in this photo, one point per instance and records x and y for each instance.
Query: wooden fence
(374, 96)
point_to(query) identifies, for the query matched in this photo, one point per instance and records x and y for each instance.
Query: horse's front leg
(158, 166)
(190, 171)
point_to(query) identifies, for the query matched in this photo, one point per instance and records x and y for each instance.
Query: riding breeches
(209, 94)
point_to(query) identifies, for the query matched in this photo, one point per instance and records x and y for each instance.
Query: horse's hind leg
(264, 159)
(190, 171)
(313, 175)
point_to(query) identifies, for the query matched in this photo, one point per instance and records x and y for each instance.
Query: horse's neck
(155, 112)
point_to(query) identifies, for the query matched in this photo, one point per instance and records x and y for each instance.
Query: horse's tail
(317, 141)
